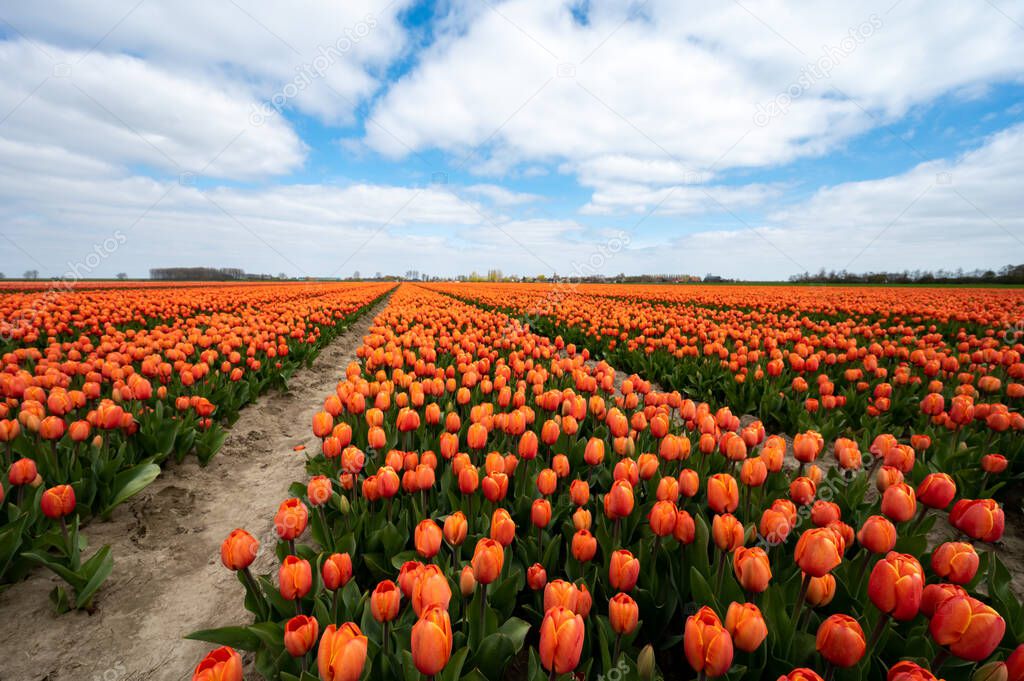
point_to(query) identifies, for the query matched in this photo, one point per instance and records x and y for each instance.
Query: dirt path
(168, 579)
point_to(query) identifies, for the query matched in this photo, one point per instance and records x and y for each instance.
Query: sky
(752, 140)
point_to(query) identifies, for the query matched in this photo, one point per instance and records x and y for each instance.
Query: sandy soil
(167, 579)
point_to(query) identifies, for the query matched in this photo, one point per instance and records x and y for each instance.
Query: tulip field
(553, 481)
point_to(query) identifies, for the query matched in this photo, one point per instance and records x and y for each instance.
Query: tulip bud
(536, 577)
(239, 550)
(955, 561)
(584, 546)
(467, 582)
(645, 663)
(841, 641)
(58, 502)
(746, 625)
(427, 538)
(993, 671)
(707, 644)
(969, 628)
(752, 568)
(342, 653)
(300, 635)
(623, 613)
(488, 559)
(561, 640)
(817, 551)
(623, 570)
(896, 585)
(222, 664)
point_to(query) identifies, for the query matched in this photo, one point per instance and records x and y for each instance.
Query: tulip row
(100, 387)
(940, 362)
(489, 501)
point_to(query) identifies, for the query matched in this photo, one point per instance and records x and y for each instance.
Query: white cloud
(122, 110)
(501, 196)
(678, 88)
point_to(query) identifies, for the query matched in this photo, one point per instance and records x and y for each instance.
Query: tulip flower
(561, 593)
(1015, 664)
(685, 529)
(290, 521)
(222, 664)
(896, 585)
(58, 502)
(801, 674)
(955, 561)
(618, 503)
(623, 570)
(295, 578)
(970, 629)
(467, 582)
(584, 546)
(909, 671)
(623, 613)
(662, 517)
(746, 625)
(821, 590)
(877, 534)
(427, 538)
(935, 595)
(561, 640)
(430, 588)
(536, 577)
(723, 493)
(300, 635)
(455, 529)
(727, 532)
(432, 640)
(342, 653)
(840, 640)
(818, 551)
(752, 568)
(238, 551)
(407, 576)
(707, 644)
(980, 519)
(899, 503)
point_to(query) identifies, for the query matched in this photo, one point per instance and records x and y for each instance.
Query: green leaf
(236, 637)
(96, 570)
(130, 482)
(453, 670)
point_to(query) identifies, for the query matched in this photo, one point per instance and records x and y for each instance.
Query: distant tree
(122, 276)
(355, 275)
(31, 274)
(2, 275)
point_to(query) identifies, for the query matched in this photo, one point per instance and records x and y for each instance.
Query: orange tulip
(385, 601)
(581, 519)
(584, 546)
(540, 513)
(336, 571)
(821, 590)
(969, 628)
(746, 625)
(708, 645)
(561, 640)
(685, 529)
(727, 532)
(623, 570)
(689, 483)
(342, 653)
(407, 576)
(841, 641)
(430, 588)
(801, 674)
(818, 552)
(222, 664)
(877, 534)
(662, 517)
(58, 502)
(503, 528)
(22, 472)
(618, 503)
(579, 492)
(427, 538)
(560, 593)
(238, 551)
(802, 491)
(467, 582)
(936, 491)
(300, 635)
(456, 528)
(980, 519)
(935, 595)
(488, 559)
(536, 577)
(955, 561)
(432, 640)
(290, 521)
(909, 671)
(547, 481)
(495, 486)
(723, 493)
(623, 613)
(752, 569)
(295, 578)
(896, 585)
(899, 503)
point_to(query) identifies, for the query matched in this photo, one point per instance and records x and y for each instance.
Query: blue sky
(752, 140)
